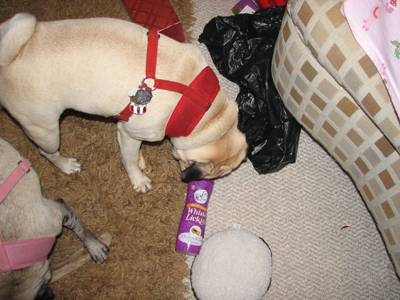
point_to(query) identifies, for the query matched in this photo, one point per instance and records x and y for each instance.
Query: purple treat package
(193, 221)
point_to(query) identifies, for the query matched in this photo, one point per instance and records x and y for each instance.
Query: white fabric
(233, 264)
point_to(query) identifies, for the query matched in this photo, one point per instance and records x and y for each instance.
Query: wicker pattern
(333, 89)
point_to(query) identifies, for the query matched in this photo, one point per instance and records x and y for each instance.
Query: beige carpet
(299, 212)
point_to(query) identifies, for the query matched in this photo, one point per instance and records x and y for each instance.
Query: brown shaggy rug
(142, 263)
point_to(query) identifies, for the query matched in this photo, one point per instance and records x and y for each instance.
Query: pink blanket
(376, 26)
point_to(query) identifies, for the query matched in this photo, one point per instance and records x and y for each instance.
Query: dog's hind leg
(47, 137)
(130, 151)
(98, 251)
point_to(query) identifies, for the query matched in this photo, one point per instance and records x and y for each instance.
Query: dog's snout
(191, 173)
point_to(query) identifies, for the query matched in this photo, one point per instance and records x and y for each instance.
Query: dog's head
(216, 146)
(212, 160)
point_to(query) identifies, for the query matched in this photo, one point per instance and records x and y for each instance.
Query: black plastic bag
(241, 47)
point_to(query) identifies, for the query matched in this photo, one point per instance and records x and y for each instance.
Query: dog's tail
(14, 34)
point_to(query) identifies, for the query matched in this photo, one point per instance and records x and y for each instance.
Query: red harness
(196, 98)
(24, 253)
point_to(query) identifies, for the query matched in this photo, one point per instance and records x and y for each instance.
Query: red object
(245, 6)
(268, 3)
(156, 15)
(188, 113)
(196, 98)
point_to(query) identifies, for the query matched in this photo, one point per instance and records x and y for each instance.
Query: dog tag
(143, 96)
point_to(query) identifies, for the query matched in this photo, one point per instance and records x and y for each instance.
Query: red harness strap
(189, 110)
(152, 49)
(196, 98)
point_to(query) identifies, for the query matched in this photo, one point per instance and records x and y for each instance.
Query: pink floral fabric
(376, 27)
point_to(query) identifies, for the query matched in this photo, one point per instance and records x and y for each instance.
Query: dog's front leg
(130, 148)
(98, 251)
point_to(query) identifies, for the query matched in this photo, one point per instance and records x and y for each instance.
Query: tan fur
(14, 34)
(26, 214)
(90, 66)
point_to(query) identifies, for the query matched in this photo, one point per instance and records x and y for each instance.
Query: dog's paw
(65, 164)
(143, 185)
(71, 166)
(98, 251)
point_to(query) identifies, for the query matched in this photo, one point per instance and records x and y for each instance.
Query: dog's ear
(196, 171)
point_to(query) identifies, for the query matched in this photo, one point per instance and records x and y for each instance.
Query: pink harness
(21, 254)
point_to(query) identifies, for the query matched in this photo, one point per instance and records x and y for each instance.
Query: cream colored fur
(90, 65)
(26, 214)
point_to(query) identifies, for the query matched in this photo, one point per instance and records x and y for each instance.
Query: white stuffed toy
(233, 264)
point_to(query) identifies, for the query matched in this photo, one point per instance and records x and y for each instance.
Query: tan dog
(90, 65)
(26, 214)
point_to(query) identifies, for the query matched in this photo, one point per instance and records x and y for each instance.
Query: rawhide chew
(78, 259)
